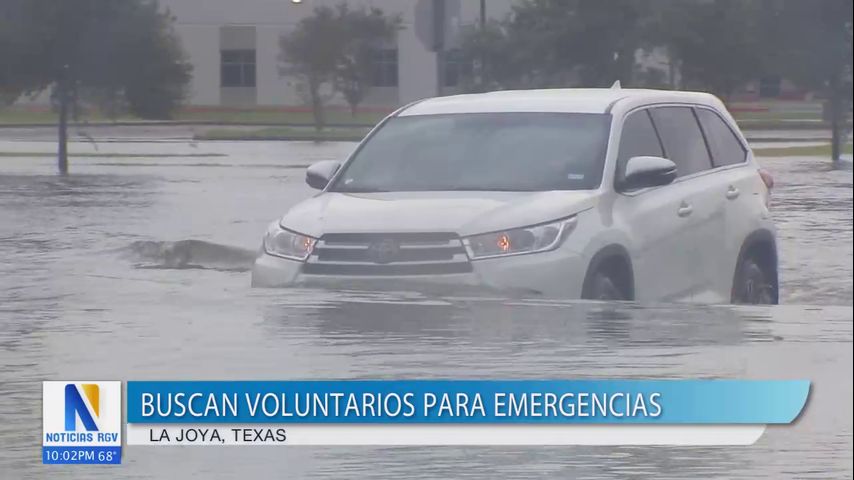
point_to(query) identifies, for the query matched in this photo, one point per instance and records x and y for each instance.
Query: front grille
(431, 253)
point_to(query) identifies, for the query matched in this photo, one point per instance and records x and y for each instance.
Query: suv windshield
(481, 151)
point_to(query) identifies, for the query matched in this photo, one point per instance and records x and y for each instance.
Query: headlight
(538, 238)
(287, 244)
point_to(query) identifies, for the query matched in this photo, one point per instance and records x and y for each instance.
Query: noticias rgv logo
(75, 407)
(82, 421)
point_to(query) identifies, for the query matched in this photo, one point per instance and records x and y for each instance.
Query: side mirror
(319, 174)
(642, 172)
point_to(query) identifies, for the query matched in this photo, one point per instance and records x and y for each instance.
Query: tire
(753, 285)
(601, 286)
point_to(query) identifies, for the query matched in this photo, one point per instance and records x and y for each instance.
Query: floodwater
(136, 268)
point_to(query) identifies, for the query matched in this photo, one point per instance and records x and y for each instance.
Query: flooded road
(135, 267)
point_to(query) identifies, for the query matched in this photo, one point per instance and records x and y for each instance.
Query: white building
(234, 48)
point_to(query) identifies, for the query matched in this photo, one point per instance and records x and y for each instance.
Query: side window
(682, 138)
(725, 146)
(638, 139)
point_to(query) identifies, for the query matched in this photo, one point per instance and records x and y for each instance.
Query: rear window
(725, 146)
(683, 141)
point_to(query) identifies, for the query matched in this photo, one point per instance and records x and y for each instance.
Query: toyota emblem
(384, 251)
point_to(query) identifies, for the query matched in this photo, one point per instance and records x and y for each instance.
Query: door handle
(685, 209)
(732, 193)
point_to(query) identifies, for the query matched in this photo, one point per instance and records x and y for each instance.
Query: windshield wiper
(463, 188)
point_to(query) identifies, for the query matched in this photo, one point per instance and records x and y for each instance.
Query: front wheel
(753, 284)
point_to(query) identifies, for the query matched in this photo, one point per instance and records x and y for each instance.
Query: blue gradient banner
(468, 402)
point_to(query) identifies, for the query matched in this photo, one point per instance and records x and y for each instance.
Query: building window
(237, 68)
(384, 68)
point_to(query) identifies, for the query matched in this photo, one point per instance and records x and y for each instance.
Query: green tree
(152, 52)
(364, 31)
(330, 51)
(123, 50)
(810, 43)
(714, 44)
(549, 43)
(491, 51)
(126, 48)
(310, 53)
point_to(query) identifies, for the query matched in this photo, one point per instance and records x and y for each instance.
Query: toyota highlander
(615, 194)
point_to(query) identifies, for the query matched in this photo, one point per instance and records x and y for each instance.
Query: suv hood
(465, 213)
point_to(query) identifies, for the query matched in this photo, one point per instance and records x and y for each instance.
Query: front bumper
(557, 274)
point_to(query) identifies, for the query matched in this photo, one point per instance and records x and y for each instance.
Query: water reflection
(485, 320)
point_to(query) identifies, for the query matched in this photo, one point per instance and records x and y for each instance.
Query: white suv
(593, 193)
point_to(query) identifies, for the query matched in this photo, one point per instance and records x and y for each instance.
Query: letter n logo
(75, 406)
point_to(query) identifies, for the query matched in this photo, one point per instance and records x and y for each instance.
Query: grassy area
(108, 155)
(775, 116)
(278, 117)
(748, 125)
(284, 133)
(806, 151)
(39, 117)
(770, 115)
(780, 115)
(258, 116)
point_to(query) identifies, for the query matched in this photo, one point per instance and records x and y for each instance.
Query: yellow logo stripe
(92, 393)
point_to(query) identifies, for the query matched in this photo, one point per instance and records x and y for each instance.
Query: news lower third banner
(459, 412)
